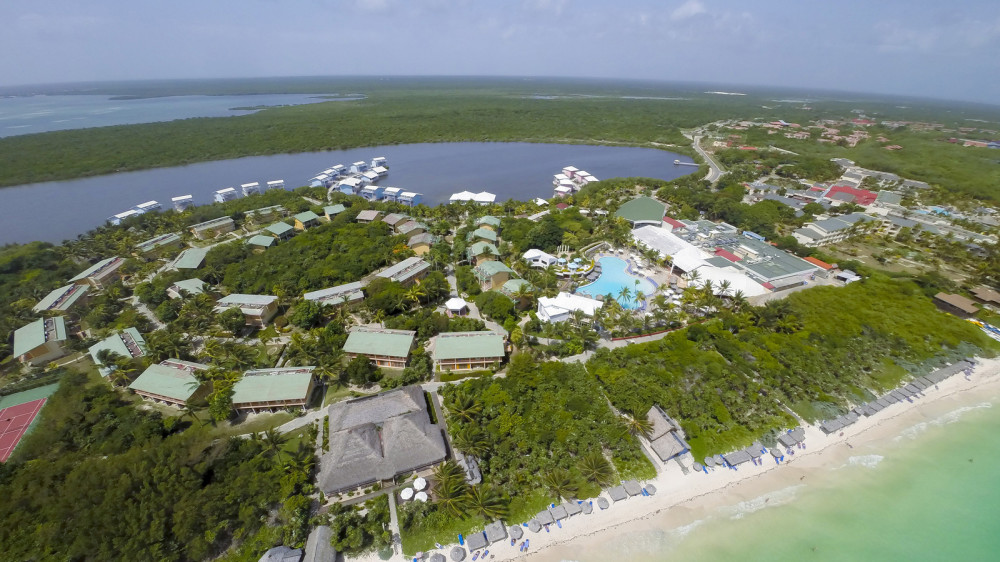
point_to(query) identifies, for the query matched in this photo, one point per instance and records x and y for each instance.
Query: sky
(920, 48)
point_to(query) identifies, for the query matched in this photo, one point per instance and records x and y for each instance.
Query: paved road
(714, 170)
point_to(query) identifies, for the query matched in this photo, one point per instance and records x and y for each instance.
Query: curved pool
(614, 277)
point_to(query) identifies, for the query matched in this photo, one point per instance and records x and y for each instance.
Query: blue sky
(915, 47)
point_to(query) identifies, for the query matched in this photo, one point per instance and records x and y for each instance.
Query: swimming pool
(614, 276)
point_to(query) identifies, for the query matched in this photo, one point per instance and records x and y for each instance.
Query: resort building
(481, 198)
(143, 208)
(666, 438)
(128, 343)
(385, 347)
(350, 186)
(258, 309)
(956, 305)
(467, 351)
(101, 274)
(410, 198)
(395, 219)
(456, 306)
(348, 293)
(280, 230)
(213, 228)
(319, 545)
(158, 243)
(258, 216)
(367, 216)
(227, 194)
(182, 203)
(192, 258)
(41, 341)
(482, 234)
(986, 295)
(411, 228)
(261, 242)
(379, 439)
(170, 382)
(372, 192)
(538, 258)
(407, 271)
(270, 389)
(63, 298)
(275, 184)
(331, 211)
(307, 219)
(359, 167)
(480, 252)
(187, 287)
(642, 211)
(489, 222)
(492, 274)
(250, 189)
(512, 289)
(392, 194)
(421, 243)
(829, 231)
(561, 307)
(118, 218)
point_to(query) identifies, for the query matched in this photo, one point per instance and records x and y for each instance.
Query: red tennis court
(14, 421)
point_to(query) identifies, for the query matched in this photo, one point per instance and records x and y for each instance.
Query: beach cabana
(495, 532)
(720, 460)
(651, 489)
(477, 541)
(545, 517)
(737, 458)
(534, 526)
(438, 557)
(603, 503)
(588, 507)
(558, 512)
(572, 508)
(697, 467)
(457, 554)
(617, 494)
(710, 462)
(516, 532)
(632, 487)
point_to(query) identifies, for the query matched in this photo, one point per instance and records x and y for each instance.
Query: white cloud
(687, 10)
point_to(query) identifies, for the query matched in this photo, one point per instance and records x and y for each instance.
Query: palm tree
(464, 406)
(625, 294)
(274, 440)
(470, 440)
(560, 482)
(597, 469)
(448, 470)
(486, 501)
(638, 425)
(414, 294)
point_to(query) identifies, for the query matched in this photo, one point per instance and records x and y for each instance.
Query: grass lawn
(255, 423)
(438, 529)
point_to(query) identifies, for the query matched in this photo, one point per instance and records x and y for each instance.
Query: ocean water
(931, 493)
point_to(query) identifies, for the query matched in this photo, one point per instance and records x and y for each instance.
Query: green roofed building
(386, 348)
(466, 351)
(511, 288)
(101, 274)
(128, 343)
(63, 298)
(171, 382)
(492, 274)
(642, 211)
(186, 287)
(331, 211)
(192, 258)
(489, 222)
(281, 230)
(407, 271)
(172, 239)
(268, 389)
(483, 234)
(262, 241)
(481, 251)
(41, 341)
(307, 219)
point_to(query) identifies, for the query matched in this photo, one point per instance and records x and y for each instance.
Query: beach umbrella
(776, 453)
(458, 554)
(534, 525)
(603, 503)
(419, 484)
(651, 489)
(588, 508)
(406, 494)
(709, 462)
(437, 557)
(516, 532)
(420, 496)
(698, 467)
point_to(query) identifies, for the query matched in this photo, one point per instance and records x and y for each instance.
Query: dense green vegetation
(156, 488)
(730, 380)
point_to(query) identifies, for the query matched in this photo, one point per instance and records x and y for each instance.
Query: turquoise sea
(931, 492)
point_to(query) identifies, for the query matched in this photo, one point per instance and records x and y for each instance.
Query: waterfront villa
(410, 198)
(350, 186)
(188, 287)
(561, 307)
(359, 167)
(250, 188)
(275, 184)
(212, 228)
(41, 341)
(392, 194)
(421, 243)
(385, 347)
(492, 274)
(379, 439)
(378, 161)
(280, 230)
(407, 271)
(372, 192)
(63, 298)
(538, 258)
(367, 216)
(182, 202)
(170, 382)
(258, 309)
(467, 351)
(128, 343)
(101, 274)
(306, 219)
(331, 211)
(348, 293)
(227, 194)
(481, 198)
(270, 389)
(666, 437)
(481, 252)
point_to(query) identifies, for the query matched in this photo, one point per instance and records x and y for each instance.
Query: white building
(147, 206)
(275, 184)
(223, 195)
(252, 188)
(359, 167)
(182, 202)
(538, 258)
(562, 306)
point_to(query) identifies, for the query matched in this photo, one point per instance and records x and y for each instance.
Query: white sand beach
(686, 499)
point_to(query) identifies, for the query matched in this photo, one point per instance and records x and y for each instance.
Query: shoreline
(684, 501)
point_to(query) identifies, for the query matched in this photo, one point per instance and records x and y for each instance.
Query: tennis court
(14, 422)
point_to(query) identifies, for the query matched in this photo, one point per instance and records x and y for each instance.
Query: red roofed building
(862, 197)
(819, 263)
(722, 252)
(562, 206)
(673, 223)
(748, 148)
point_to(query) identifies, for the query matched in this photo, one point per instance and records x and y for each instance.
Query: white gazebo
(457, 306)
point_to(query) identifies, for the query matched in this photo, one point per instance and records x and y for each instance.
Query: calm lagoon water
(510, 170)
(25, 115)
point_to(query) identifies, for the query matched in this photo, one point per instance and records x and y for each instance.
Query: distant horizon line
(758, 89)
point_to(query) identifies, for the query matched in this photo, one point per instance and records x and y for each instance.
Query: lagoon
(56, 211)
